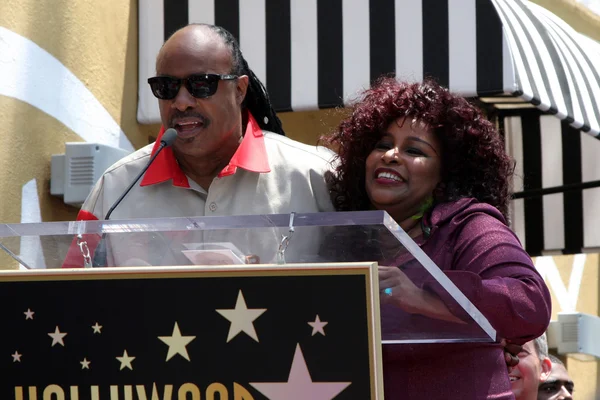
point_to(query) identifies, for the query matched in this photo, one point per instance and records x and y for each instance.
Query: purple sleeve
(491, 268)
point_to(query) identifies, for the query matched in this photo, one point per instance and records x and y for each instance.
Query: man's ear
(242, 88)
(546, 369)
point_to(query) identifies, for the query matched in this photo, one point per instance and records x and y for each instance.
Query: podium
(272, 307)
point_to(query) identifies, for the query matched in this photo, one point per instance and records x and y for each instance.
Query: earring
(425, 206)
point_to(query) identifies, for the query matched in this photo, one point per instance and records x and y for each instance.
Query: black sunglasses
(200, 86)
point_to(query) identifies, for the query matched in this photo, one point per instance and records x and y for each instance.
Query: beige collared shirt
(295, 183)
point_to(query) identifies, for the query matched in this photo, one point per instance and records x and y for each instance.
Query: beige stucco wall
(574, 283)
(309, 126)
(97, 42)
(576, 15)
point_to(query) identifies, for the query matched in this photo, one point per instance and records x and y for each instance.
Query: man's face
(558, 386)
(525, 377)
(206, 127)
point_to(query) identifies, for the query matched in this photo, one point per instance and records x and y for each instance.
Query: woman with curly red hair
(439, 168)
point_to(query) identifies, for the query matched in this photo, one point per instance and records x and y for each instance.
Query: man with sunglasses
(230, 156)
(558, 386)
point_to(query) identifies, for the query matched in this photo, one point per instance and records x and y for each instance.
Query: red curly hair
(474, 160)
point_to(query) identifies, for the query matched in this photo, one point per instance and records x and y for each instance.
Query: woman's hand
(397, 289)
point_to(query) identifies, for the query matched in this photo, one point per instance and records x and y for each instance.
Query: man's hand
(511, 353)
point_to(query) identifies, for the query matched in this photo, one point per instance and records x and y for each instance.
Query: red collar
(251, 155)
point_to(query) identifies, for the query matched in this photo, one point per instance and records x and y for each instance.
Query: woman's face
(403, 169)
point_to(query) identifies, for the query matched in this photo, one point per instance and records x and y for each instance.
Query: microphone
(100, 253)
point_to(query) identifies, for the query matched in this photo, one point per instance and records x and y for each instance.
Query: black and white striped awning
(557, 209)
(319, 53)
(556, 68)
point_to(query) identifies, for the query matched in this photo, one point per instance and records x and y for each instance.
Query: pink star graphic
(318, 326)
(300, 385)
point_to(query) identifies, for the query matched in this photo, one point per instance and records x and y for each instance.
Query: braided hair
(257, 100)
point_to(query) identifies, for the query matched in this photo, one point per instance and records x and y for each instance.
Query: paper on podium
(223, 253)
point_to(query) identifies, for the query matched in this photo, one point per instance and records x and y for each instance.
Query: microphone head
(168, 137)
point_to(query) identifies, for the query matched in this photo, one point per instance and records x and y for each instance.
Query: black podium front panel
(261, 332)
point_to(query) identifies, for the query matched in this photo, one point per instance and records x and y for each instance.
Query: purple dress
(472, 244)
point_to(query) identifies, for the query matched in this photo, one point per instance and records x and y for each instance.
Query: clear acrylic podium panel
(338, 237)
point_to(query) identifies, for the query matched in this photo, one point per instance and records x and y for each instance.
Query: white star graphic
(57, 337)
(125, 360)
(241, 318)
(16, 357)
(177, 343)
(29, 314)
(318, 326)
(85, 364)
(300, 385)
(97, 328)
